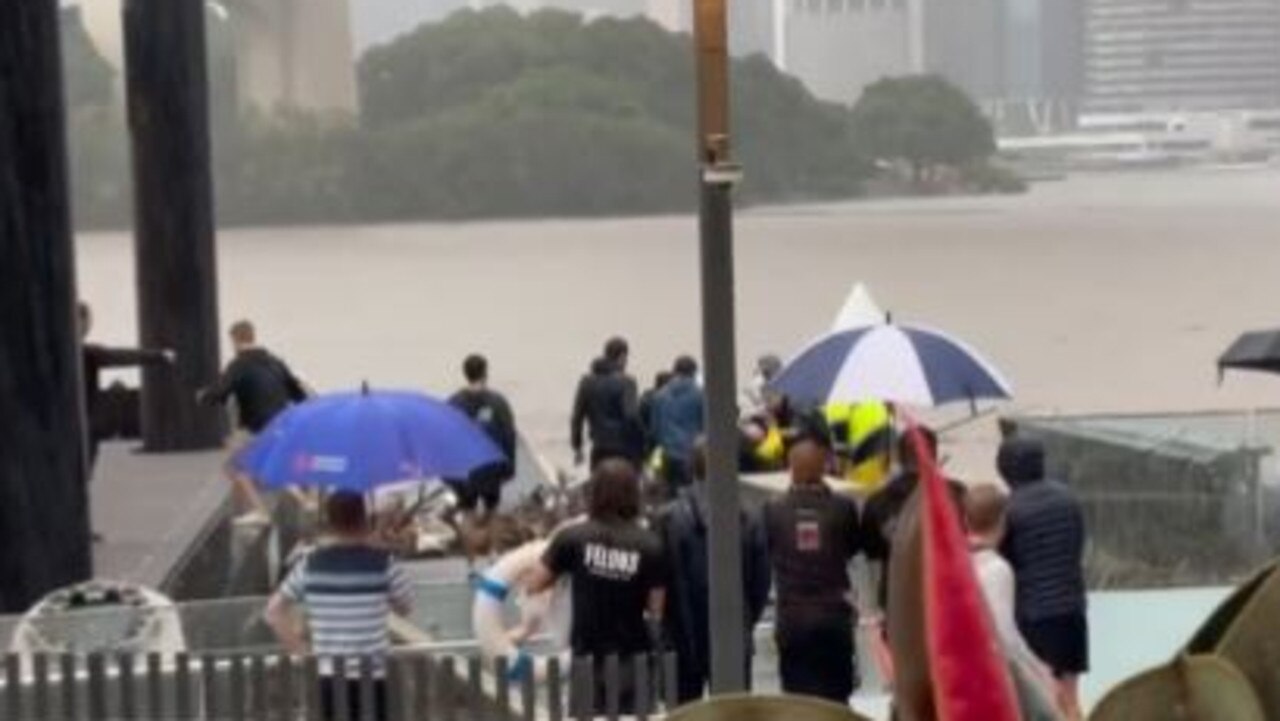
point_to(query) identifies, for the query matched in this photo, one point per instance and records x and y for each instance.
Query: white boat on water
(1149, 140)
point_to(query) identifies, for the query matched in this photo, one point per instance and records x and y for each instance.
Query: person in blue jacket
(678, 422)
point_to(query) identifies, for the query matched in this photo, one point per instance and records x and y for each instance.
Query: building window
(835, 7)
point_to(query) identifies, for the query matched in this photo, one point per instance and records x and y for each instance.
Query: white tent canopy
(860, 310)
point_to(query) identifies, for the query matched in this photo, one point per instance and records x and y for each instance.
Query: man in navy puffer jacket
(1045, 545)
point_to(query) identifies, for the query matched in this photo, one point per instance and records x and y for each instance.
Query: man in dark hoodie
(1045, 545)
(678, 421)
(683, 526)
(262, 386)
(607, 404)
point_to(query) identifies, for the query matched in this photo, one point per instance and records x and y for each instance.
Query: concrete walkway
(150, 508)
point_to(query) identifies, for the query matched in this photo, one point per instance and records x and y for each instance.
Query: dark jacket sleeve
(123, 357)
(506, 429)
(631, 400)
(855, 533)
(758, 572)
(874, 545)
(218, 393)
(579, 417)
(294, 387)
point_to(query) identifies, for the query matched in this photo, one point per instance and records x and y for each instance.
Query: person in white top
(985, 507)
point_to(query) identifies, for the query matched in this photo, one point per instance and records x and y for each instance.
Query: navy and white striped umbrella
(893, 363)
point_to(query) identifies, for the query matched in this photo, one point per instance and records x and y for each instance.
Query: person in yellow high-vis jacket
(865, 430)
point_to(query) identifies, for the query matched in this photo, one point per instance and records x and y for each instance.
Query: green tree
(923, 121)
(492, 114)
(511, 74)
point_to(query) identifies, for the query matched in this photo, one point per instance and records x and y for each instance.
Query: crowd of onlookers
(1027, 535)
(639, 562)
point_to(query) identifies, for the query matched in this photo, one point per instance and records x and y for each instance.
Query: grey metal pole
(44, 518)
(177, 276)
(728, 641)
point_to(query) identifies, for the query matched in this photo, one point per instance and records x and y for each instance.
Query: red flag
(970, 677)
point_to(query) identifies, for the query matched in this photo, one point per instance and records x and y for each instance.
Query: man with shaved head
(813, 536)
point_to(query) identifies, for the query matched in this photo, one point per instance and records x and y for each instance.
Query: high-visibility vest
(771, 450)
(869, 437)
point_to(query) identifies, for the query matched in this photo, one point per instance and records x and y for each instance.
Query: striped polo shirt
(348, 592)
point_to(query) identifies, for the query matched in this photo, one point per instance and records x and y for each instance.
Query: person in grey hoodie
(1044, 544)
(678, 422)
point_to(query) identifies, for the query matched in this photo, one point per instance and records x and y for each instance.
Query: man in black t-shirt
(490, 410)
(262, 386)
(813, 535)
(618, 578)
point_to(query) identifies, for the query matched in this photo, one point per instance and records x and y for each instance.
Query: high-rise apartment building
(838, 47)
(1181, 55)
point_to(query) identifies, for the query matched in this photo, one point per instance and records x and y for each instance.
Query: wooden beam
(44, 527)
(168, 99)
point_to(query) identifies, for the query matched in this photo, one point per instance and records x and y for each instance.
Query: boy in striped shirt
(348, 588)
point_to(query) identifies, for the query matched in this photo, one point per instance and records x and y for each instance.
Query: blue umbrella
(892, 363)
(361, 440)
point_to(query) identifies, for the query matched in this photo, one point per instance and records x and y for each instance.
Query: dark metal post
(728, 641)
(44, 522)
(168, 93)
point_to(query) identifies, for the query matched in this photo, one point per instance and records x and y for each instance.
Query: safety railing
(1172, 499)
(405, 685)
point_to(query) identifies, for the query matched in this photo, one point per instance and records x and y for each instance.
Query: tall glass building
(1182, 55)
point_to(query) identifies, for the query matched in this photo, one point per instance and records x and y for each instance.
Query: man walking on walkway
(262, 386)
(348, 588)
(491, 411)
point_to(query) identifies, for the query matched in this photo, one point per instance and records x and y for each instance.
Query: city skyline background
(1027, 62)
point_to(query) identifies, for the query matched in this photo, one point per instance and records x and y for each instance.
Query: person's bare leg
(1069, 697)
(245, 495)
